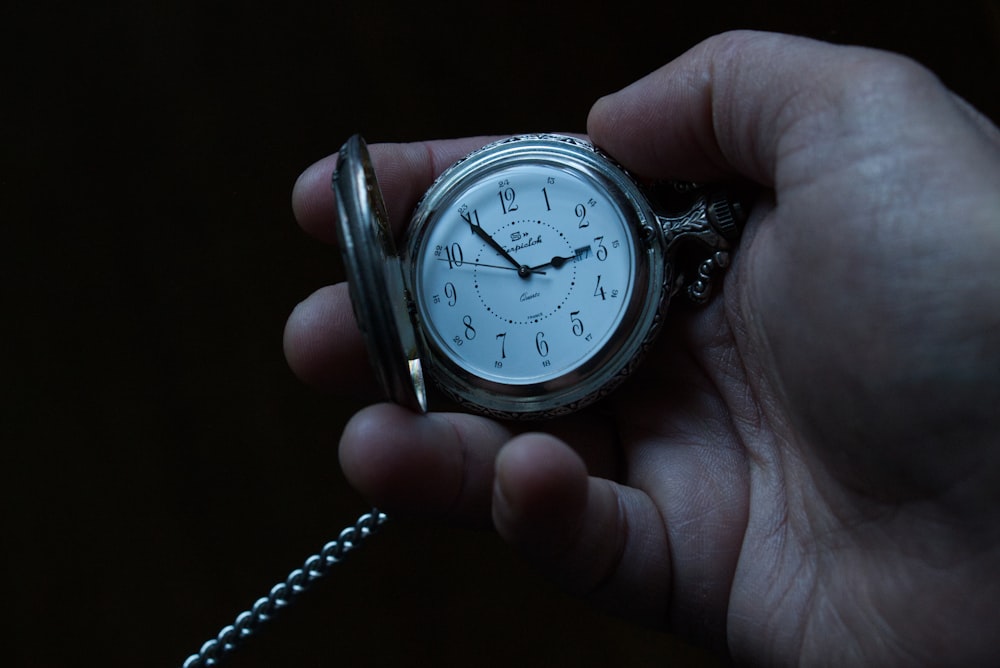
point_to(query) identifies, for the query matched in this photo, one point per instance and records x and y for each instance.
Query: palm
(811, 436)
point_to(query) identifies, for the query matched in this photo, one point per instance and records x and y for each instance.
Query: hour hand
(522, 269)
(558, 261)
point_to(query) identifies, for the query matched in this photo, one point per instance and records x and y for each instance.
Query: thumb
(594, 537)
(740, 103)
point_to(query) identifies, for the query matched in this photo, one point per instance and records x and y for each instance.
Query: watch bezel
(603, 371)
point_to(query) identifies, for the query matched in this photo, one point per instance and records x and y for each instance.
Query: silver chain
(281, 594)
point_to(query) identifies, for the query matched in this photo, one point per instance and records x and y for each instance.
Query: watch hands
(555, 262)
(529, 270)
(558, 261)
(522, 269)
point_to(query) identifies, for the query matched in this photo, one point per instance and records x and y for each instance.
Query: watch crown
(726, 216)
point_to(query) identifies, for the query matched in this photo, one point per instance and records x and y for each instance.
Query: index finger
(404, 172)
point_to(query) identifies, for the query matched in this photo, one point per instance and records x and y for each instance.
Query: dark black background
(162, 468)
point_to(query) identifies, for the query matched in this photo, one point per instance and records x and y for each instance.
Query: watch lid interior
(375, 277)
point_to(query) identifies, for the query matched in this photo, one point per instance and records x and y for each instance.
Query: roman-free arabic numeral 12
(507, 196)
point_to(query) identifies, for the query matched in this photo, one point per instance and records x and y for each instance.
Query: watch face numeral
(541, 345)
(545, 194)
(577, 323)
(470, 331)
(468, 217)
(602, 251)
(599, 289)
(503, 345)
(581, 216)
(454, 255)
(451, 293)
(507, 196)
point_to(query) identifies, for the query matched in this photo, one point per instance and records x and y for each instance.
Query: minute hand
(522, 269)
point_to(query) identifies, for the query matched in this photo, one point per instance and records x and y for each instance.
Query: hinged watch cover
(375, 277)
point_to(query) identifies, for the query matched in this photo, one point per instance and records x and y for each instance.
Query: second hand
(491, 266)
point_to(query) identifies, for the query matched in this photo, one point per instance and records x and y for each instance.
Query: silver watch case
(380, 279)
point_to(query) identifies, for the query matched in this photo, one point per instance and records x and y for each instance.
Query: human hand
(807, 469)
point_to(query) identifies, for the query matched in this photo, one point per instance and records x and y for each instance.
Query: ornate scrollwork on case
(713, 224)
(700, 289)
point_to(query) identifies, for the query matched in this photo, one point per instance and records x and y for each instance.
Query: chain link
(281, 594)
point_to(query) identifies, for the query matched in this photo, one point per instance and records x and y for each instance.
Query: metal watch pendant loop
(714, 223)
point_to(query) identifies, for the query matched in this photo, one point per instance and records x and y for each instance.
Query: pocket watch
(534, 274)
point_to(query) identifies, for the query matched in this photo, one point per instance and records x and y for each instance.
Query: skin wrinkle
(456, 503)
(709, 144)
(573, 541)
(771, 548)
(825, 620)
(826, 548)
(869, 604)
(791, 591)
(763, 541)
(399, 219)
(688, 438)
(659, 608)
(433, 168)
(668, 530)
(706, 516)
(613, 568)
(724, 103)
(863, 515)
(751, 419)
(740, 446)
(671, 582)
(737, 308)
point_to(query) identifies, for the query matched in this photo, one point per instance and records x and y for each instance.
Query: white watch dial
(523, 274)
